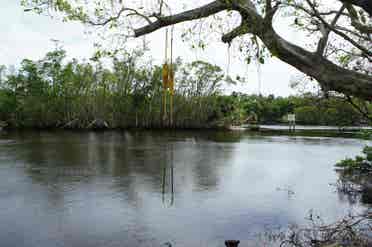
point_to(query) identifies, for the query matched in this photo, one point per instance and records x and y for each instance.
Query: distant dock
(302, 128)
(316, 128)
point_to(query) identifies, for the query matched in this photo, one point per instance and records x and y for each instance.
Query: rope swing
(168, 79)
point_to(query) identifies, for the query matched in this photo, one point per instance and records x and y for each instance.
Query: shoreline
(243, 127)
(311, 131)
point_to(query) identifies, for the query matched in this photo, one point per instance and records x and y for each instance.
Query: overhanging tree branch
(198, 13)
(329, 75)
(238, 31)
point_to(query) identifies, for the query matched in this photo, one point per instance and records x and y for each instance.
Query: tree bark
(364, 4)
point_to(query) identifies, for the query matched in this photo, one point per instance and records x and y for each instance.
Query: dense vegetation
(52, 92)
(361, 164)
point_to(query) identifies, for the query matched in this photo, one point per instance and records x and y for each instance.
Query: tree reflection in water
(354, 187)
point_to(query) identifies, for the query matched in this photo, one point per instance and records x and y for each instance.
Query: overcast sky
(27, 35)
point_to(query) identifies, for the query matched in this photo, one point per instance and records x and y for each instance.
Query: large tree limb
(329, 75)
(198, 13)
(364, 4)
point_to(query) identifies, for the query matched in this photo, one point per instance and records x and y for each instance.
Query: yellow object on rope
(165, 76)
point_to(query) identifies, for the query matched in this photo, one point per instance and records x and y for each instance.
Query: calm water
(109, 189)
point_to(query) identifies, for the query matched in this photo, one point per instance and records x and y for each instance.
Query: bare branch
(357, 34)
(325, 32)
(355, 20)
(238, 31)
(350, 40)
(339, 33)
(117, 16)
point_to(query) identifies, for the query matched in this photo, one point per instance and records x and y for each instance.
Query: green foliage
(308, 114)
(326, 111)
(368, 152)
(365, 134)
(309, 109)
(52, 92)
(359, 163)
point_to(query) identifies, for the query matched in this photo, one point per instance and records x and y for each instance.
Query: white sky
(28, 35)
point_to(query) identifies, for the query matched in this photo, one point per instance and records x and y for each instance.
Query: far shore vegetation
(54, 92)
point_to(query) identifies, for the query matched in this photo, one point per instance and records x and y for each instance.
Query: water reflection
(168, 179)
(354, 187)
(107, 189)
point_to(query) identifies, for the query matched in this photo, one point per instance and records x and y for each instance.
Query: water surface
(109, 189)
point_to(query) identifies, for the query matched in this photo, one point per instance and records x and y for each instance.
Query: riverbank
(316, 128)
(363, 132)
(312, 130)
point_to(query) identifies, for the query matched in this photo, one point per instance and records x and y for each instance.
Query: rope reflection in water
(168, 178)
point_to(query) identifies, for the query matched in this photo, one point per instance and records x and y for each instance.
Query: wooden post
(292, 122)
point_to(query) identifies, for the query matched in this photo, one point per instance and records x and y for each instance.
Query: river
(116, 188)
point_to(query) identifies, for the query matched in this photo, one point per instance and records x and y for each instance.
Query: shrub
(359, 163)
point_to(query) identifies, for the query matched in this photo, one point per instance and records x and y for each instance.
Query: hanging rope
(165, 74)
(165, 65)
(171, 70)
(171, 80)
(168, 78)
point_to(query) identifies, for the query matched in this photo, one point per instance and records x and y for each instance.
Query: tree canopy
(338, 52)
